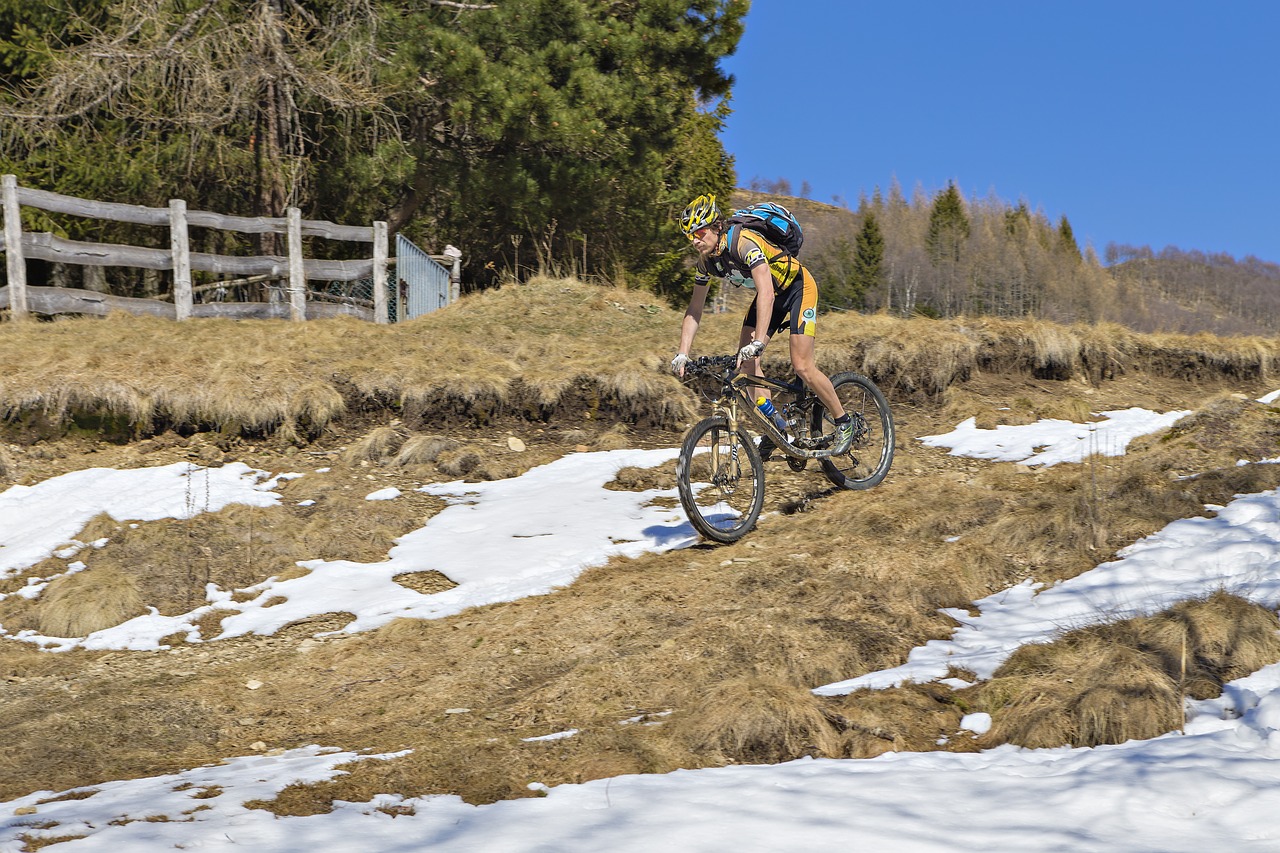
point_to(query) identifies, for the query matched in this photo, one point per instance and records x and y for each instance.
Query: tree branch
(469, 7)
(304, 13)
(189, 24)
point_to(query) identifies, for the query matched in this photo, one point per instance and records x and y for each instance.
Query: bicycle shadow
(804, 502)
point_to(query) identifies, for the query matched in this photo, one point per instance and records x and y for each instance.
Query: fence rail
(70, 300)
(293, 268)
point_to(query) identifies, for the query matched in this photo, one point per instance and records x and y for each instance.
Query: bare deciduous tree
(241, 81)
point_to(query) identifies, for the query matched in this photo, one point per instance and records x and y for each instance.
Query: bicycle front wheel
(721, 480)
(871, 453)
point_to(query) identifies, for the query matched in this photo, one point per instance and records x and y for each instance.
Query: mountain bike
(720, 473)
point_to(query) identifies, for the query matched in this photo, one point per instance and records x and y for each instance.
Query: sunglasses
(696, 235)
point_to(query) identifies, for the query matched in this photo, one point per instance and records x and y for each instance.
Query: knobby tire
(720, 479)
(871, 454)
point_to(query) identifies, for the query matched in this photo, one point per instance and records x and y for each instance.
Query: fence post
(297, 273)
(455, 274)
(16, 262)
(380, 273)
(180, 244)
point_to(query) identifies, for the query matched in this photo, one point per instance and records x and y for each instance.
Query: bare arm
(689, 326)
(693, 317)
(763, 280)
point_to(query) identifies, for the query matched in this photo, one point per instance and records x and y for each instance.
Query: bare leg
(804, 362)
(752, 367)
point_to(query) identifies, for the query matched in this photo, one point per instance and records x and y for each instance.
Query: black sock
(843, 419)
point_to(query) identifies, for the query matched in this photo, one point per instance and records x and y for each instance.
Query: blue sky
(1144, 122)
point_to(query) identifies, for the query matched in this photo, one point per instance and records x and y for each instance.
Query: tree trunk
(150, 284)
(95, 279)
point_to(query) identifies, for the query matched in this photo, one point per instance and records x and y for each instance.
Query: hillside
(1192, 291)
(824, 224)
(720, 644)
(1009, 267)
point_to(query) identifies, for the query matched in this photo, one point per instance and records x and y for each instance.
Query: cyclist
(786, 295)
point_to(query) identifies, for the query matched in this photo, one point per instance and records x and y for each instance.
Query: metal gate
(422, 284)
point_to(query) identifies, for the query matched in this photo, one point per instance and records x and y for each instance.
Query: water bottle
(767, 409)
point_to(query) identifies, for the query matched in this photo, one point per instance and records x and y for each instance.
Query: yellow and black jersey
(740, 251)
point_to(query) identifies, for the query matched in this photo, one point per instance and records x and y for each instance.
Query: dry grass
(691, 658)
(527, 349)
(377, 445)
(545, 350)
(1108, 351)
(422, 450)
(1207, 356)
(758, 720)
(8, 467)
(905, 357)
(1127, 680)
(76, 605)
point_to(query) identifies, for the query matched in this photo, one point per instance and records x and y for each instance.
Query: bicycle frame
(723, 492)
(736, 390)
(720, 470)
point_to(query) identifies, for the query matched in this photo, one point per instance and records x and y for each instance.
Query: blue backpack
(774, 222)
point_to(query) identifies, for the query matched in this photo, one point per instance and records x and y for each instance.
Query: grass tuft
(76, 605)
(377, 446)
(422, 450)
(1127, 680)
(754, 720)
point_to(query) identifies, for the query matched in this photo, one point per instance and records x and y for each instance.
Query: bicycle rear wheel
(871, 453)
(721, 480)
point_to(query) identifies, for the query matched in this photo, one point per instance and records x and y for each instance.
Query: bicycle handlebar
(715, 366)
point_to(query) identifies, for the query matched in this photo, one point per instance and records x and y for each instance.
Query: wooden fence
(294, 268)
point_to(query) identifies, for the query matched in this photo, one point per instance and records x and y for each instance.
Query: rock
(210, 455)
(515, 444)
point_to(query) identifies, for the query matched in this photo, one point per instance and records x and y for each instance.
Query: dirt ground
(711, 644)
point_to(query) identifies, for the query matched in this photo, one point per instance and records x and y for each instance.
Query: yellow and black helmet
(700, 213)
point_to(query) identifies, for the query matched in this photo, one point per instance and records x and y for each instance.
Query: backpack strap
(736, 230)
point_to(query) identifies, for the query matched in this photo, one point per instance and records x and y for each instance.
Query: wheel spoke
(871, 453)
(721, 481)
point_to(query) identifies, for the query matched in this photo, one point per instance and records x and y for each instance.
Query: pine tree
(25, 28)
(948, 226)
(868, 259)
(1067, 238)
(1017, 219)
(575, 127)
(833, 268)
(234, 103)
(547, 121)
